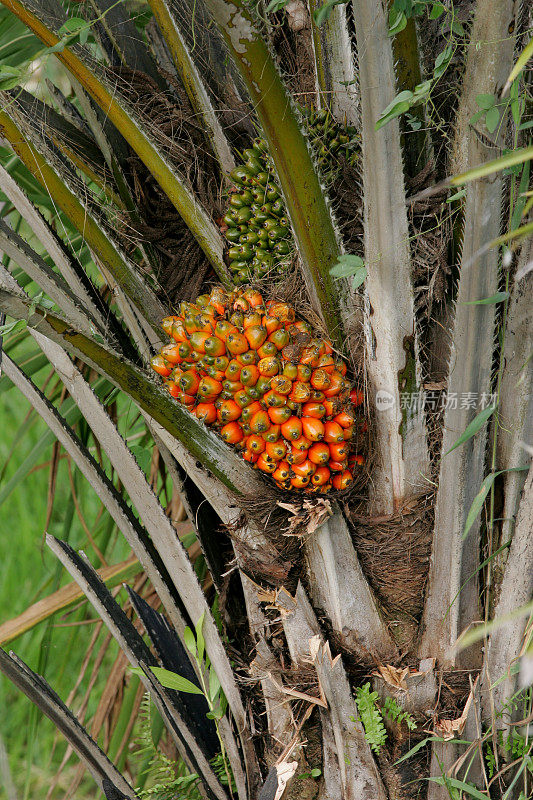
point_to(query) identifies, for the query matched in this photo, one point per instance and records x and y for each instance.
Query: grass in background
(28, 572)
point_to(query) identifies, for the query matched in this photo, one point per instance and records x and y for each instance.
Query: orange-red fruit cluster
(260, 377)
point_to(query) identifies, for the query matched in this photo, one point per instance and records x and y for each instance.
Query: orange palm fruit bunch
(267, 384)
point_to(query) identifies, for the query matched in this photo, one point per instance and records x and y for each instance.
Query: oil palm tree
(114, 183)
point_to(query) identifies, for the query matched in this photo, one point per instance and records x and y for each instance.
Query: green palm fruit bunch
(255, 224)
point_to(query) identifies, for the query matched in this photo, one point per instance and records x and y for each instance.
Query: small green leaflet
(12, 327)
(456, 784)
(477, 423)
(499, 297)
(172, 681)
(190, 641)
(456, 196)
(481, 496)
(275, 5)
(485, 101)
(322, 14)
(200, 642)
(437, 11)
(214, 685)
(76, 27)
(492, 119)
(10, 77)
(349, 265)
(397, 21)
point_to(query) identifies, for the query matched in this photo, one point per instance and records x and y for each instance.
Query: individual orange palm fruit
(228, 411)
(248, 358)
(260, 422)
(301, 392)
(281, 384)
(269, 366)
(276, 450)
(251, 317)
(249, 456)
(305, 469)
(198, 340)
(333, 432)
(171, 353)
(168, 322)
(272, 324)
(313, 429)
(274, 400)
(326, 363)
(348, 433)
(209, 388)
(290, 370)
(320, 380)
(330, 405)
(300, 482)
(279, 336)
(336, 386)
(233, 370)
(272, 434)
(304, 372)
(296, 456)
(282, 472)
(178, 332)
(279, 415)
(204, 323)
(313, 409)
(236, 343)
(186, 399)
(230, 388)
(214, 346)
(242, 399)
(345, 419)
(342, 480)
(321, 476)
(249, 375)
(160, 366)
(256, 336)
(292, 429)
(173, 389)
(319, 453)
(189, 382)
(282, 311)
(255, 443)
(266, 464)
(302, 443)
(338, 466)
(310, 356)
(206, 413)
(357, 397)
(231, 433)
(339, 451)
(359, 460)
(253, 297)
(249, 411)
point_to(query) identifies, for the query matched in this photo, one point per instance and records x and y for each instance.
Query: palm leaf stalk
(110, 146)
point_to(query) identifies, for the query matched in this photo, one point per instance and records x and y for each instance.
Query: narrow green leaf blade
(499, 297)
(473, 428)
